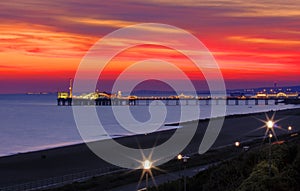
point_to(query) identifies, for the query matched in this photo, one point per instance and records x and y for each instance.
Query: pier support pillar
(266, 102)
(132, 102)
(69, 101)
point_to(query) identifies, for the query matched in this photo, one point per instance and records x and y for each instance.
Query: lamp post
(179, 158)
(270, 125)
(237, 144)
(147, 167)
(184, 159)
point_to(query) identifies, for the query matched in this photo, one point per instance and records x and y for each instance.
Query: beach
(32, 166)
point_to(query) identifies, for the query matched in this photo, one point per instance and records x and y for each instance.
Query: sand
(22, 168)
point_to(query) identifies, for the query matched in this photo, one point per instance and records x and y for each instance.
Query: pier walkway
(169, 101)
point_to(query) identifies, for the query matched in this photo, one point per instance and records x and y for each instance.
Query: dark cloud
(203, 18)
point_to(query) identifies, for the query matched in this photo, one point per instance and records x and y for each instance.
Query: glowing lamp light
(179, 157)
(270, 124)
(147, 165)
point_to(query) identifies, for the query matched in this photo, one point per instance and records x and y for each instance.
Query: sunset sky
(255, 42)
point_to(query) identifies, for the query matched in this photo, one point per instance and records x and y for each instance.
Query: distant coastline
(37, 93)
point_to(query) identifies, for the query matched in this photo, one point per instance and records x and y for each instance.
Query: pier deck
(138, 101)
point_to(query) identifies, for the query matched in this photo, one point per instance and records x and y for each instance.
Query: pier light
(147, 165)
(270, 124)
(237, 144)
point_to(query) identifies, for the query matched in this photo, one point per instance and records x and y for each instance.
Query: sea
(35, 122)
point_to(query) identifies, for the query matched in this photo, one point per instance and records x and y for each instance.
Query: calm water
(34, 122)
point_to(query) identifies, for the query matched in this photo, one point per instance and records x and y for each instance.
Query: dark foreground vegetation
(250, 171)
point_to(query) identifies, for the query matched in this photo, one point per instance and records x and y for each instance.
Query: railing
(62, 180)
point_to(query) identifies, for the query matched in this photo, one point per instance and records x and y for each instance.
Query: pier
(109, 100)
(106, 99)
(63, 99)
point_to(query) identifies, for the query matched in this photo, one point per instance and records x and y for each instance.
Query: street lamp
(270, 136)
(179, 157)
(237, 144)
(147, 167)
(184, 159)
(270, 126)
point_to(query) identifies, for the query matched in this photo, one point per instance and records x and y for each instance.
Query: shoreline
(176, 125)
(55, 162)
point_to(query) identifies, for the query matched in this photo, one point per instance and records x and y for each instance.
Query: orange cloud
(116, 24)
(42, 41)
(99, 22)
(285, 42)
